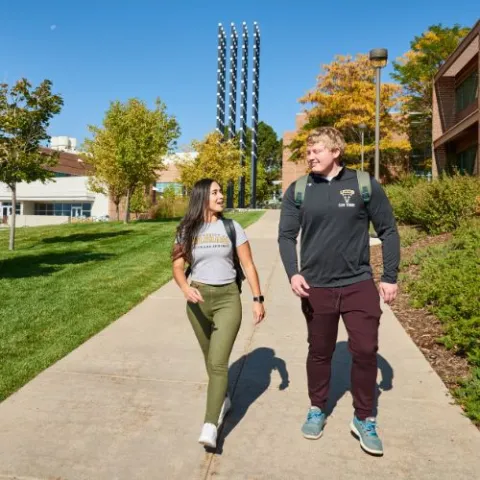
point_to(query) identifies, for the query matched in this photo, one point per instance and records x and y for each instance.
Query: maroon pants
(359, 306)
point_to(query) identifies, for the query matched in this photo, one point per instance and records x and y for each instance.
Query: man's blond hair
(329, 136)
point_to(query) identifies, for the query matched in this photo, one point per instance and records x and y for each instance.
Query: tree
(128, 150)
(107, 178)
(344, 97)
(220, 159)
(216, 158)
(416, 70)
(141, 200)
(25, 114)
(269, 158)
(269, 162)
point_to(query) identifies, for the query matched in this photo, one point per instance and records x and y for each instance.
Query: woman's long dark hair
(193, 220)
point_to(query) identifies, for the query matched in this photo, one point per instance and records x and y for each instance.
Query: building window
(466, 160)
(65, 209)
(61, 174)
(6, 208)
(162, 186)
(467, 92)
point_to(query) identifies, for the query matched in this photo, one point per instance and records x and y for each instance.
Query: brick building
(170, 177)
(290, 170)
(456, 109)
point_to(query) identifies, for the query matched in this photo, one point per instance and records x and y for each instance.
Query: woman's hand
(192, 295)
(258, 312)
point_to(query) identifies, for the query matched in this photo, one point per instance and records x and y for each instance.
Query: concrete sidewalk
(129, 403)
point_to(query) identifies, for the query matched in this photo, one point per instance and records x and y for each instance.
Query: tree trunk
(117, 208)
(127, 206)
(11, 245)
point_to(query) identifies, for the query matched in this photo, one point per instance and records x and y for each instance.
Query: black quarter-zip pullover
(334, 223)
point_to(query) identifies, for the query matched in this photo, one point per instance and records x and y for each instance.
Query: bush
(443, 204)
(141, 201)
(436, 207)
(468, 394)
(402, 204)
(169, 208)
(449, 284)
(409, 235)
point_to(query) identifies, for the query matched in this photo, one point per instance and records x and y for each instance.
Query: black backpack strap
(231, 232)
(232, 235)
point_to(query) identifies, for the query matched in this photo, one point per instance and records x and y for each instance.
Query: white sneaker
(227, 405)
(208, 437)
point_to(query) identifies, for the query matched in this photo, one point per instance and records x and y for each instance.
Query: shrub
(449, 284)
(402, 204)
(438, 206)
(442, 205)
(169, 207)
(409, 235)
(468, 394)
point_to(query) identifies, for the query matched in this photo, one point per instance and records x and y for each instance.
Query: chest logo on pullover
(347, 195)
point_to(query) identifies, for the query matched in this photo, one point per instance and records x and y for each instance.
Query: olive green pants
(216, 322)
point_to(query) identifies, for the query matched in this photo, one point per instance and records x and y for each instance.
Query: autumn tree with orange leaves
(344, 98)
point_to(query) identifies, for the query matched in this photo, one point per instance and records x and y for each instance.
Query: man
(335, 278)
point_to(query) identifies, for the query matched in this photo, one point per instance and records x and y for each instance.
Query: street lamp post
(362, 128)
(378, 57)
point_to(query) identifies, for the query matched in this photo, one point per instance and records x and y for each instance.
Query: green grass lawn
(65, 283)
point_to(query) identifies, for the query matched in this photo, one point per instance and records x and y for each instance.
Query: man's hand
(192, 295)
(299, 286)
(388, 291)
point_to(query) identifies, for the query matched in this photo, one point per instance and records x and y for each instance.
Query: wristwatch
(259, 299)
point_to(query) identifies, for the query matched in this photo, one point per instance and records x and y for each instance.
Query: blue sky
(96, 52)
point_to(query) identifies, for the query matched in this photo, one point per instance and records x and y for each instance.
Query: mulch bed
(423, 327)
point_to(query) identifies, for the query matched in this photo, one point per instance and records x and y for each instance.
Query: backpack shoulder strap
(230, 228)
(300, 186)
(232, 235)
(364, 185)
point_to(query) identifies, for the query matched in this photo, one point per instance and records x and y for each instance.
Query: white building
(67, 195)
(58, 200)
(64, 144)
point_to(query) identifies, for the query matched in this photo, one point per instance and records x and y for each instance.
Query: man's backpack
(232, 235)
(364, 185)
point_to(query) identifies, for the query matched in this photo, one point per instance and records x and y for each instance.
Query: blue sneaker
(313, 427)
(366, 432)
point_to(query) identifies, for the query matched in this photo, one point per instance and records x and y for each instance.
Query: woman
(204, 241)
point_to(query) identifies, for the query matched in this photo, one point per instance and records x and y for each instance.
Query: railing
(427, 175)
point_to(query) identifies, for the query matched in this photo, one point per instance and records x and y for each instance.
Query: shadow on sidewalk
(256, 369)
(340, 380)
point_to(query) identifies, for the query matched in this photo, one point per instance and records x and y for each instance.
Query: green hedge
(438, 206)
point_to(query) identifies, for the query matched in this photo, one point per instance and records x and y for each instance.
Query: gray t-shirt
(212, 254)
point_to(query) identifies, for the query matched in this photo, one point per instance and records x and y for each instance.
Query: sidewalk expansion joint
(126, 377)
